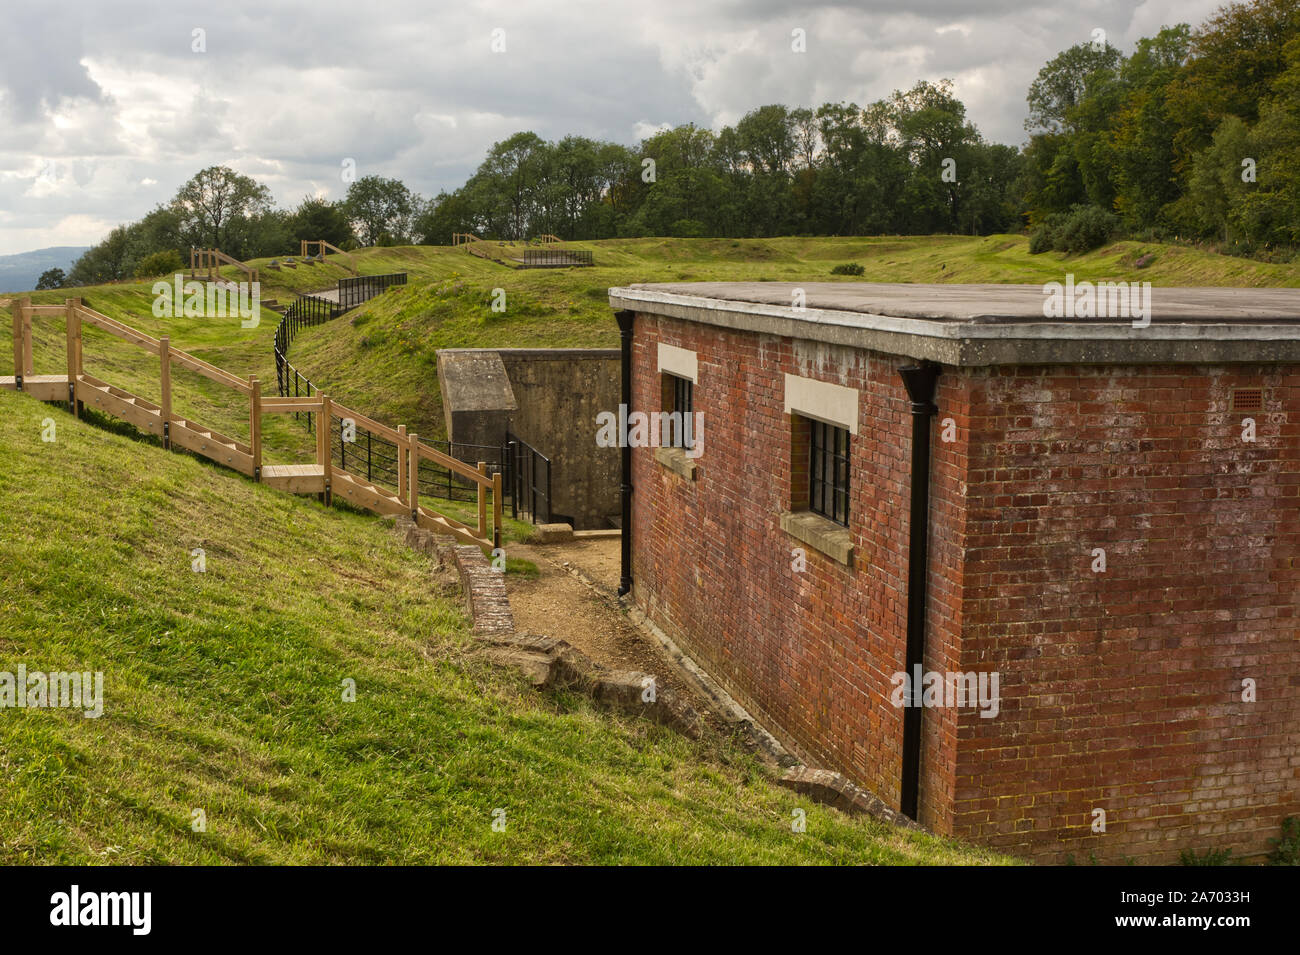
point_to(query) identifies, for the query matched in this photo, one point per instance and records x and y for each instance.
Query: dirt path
(558, 604)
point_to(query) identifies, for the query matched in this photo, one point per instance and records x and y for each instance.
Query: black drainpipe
(624, 318)
(920, 381)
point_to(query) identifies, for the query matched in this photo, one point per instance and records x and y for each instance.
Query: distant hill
(19, 273)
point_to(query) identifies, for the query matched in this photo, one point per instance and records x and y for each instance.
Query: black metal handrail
(556, 258)
(362, 288)
(530, 491)
(375, 458)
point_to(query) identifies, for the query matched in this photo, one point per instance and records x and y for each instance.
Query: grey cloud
(411, 89)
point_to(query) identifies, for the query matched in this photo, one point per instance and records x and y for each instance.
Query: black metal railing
(362, 288)
(529, 475)
(311, 310)
(304, 312)
(373, 457)
(556, 258)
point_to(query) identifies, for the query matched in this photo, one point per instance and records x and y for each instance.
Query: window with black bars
(683, 403)
(828, 472)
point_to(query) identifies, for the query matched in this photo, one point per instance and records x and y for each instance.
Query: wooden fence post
(28, 368)
(482, 501)
(324, 452)
(165, 400)
(16, 309)
(413, 475)
(402, 454)
(255, 425)
(497, 509)
(72, 323)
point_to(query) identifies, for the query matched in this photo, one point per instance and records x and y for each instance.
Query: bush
(1286, 848)
(160, 263)
(848, 268)
(1082, 229)
(1210, 857)
(1087, 228)
(1040, 241)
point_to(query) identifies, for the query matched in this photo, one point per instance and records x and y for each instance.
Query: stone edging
(838, 792)
(549, 663)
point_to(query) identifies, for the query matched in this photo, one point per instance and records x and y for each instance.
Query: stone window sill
(819, 533)
(675, 460)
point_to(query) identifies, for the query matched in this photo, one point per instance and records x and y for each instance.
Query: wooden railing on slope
(211, 260)
(322, 247)
(461, 238)
(78, 388)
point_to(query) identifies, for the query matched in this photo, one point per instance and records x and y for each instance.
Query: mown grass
(381, 358)
(223, 692)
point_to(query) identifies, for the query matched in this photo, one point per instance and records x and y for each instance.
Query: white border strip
(679, 362)
(834, 404)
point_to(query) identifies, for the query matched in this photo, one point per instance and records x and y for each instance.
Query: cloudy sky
(106, 107)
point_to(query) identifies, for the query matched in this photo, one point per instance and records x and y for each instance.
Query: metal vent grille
(1247, 399)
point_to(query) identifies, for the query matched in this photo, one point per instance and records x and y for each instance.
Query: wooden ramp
(80, 390)
(44, 387)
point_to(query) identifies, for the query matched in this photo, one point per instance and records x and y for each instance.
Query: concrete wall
(1120, 691)
(550, 399)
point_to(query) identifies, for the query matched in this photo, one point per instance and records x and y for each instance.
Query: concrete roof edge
(962, 343)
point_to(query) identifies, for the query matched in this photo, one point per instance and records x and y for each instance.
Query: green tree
(380, 209)
(167, 262)
(51, 279)
(216, 201)
(1064, 83)
(317, 218)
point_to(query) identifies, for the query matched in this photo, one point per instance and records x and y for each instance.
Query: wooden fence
(211, 260)
(322, 247)
(79, 389)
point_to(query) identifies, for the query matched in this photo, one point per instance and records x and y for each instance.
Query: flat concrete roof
(991, 324)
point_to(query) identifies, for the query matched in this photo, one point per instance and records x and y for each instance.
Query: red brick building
(1105, 514)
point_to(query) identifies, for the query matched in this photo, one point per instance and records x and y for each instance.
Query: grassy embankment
(382, 356)
(223, 693)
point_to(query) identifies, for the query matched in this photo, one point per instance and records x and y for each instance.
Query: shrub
(1286, 848)
(687, 228)
(159, 263)
(1210, 857)
(1086, 228)
(848, 268)
(1040, 241)
(1082, 229)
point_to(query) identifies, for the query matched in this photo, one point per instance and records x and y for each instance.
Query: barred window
(679, 399)
(828, 472)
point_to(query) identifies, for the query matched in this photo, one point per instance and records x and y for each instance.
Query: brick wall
(810, 653)
(1122, 690)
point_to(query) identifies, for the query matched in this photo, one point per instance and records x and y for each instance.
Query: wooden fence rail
(322, 247)
(79, 389)
(211, 260)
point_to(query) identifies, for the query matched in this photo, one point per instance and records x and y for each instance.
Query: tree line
(1193, 135)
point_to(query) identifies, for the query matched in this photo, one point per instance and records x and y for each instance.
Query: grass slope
(381, 358)
(223, 693)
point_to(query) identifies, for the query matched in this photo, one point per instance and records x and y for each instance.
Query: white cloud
(114, 100)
